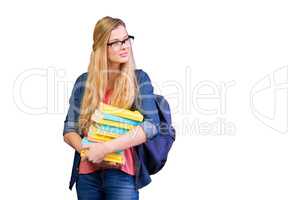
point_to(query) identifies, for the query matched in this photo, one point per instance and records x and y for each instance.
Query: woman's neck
(114, 66)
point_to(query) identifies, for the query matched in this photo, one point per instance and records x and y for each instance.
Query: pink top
(86, 167)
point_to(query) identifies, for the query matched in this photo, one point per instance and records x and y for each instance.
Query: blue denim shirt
(145, 103)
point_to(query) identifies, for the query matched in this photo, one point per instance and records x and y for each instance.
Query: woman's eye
(116, 43)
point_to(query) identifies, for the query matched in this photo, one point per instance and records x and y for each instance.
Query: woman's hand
(96, 151)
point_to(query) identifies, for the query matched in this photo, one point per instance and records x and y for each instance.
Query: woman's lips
(124, 54)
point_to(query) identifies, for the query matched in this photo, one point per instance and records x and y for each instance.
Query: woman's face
(119, 46)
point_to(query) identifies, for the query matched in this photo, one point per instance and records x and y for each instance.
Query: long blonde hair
(125, 89)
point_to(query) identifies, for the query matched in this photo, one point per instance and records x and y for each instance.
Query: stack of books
(110, 122)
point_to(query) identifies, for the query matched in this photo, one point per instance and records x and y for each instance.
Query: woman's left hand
(96, 151)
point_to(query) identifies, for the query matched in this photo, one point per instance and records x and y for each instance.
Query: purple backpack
(155, 150)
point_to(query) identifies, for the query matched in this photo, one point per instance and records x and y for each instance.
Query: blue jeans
(108, 184)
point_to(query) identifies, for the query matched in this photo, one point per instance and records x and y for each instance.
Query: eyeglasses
(117, 45)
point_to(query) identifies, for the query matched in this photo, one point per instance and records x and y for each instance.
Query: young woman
(112, 79)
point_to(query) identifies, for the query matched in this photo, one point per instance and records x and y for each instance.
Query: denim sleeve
(71, 123)
(147, 106)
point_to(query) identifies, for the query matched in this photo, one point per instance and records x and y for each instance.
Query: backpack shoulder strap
(164, 115)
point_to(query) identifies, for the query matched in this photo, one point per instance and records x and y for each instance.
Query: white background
(243, 149)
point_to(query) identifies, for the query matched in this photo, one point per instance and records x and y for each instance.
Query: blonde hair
(125, 89)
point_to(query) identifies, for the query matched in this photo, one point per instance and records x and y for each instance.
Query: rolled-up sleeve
(147, 106)
(71, 123)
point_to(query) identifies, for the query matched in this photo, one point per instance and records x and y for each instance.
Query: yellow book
(113, 157)
(99, 138)
(121, 112)
(83, 152)
(111, 135)
(95, 132)
(115, 124)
